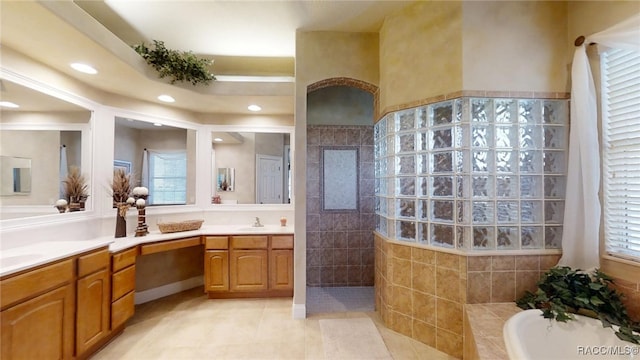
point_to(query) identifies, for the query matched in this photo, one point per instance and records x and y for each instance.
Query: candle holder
(61, 205)
(140, 194)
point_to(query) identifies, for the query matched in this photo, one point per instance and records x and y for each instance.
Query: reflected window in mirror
(162, 159)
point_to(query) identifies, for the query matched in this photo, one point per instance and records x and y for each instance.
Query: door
(248, 270)
(268, 179)
(216, 270)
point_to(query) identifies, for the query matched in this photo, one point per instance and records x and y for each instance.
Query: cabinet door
(248, 271)
(93, 304)
(216, 270)
(281, 270)
(40, 328)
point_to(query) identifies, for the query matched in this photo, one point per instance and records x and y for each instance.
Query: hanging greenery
(563, 291)
(179, 65)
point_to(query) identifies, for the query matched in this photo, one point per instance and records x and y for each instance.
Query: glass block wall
(473, 173)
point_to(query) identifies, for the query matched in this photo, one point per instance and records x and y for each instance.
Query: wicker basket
(171, 227)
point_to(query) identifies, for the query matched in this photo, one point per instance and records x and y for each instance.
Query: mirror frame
(250, 129)
(87, 145)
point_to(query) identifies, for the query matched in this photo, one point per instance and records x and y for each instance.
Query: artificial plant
(179, 65)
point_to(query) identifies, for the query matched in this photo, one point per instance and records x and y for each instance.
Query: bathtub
(529, 336)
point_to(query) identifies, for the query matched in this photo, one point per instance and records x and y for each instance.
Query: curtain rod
(580, 40)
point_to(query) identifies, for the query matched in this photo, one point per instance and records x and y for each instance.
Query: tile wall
(340, 248)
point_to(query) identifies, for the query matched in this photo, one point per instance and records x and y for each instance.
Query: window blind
(621, 152)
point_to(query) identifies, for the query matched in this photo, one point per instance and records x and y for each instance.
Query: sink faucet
(257, 223)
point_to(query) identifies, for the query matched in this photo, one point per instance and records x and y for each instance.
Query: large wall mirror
(159, 157)
(261, 163)
(41, 138)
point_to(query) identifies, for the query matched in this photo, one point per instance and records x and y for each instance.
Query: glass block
(391, 228)
(381, 186)
(380, 129)
(390, 145)
(530, 137)
(423, 141)
(461, 136)
(481, 136)
(463, 237)
(406, 186)
(442, 186)
(461, 164)
(529, 111)
(481, 110)
(506, 136)
(391, 124)
(482, 212)
(423, 209)
(405, 143)
(507, 237)
(483, 237)
(554, 162)
(381, 225)
(423, 233)
(504, 110)
(506, 161)
(482, 186)
(441, 162)
(482, 161)
(423, 115)
(391, 211)
(553, 212)
(381, 205)
(531, 186)
(531, 212)
(442, 235)
(442, 113)
(462, 187)
(553, 237)
(554, 137)
(406, 230)
(406, 208)
(555, 112)
(442, 210)
(507, 186)
(531, 161)
(380, 148)
(441, 138)
(507, 212)
(459, 108)
(423, 163)
(406, 120)
(463, 212)
(406, 164)
(531, 237)
(554, 187)
(424, 186)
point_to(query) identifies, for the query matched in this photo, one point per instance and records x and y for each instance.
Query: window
(167, 178)
(621, 152)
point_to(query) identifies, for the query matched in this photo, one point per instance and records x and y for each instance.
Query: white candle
(61, 202)
(131, 201)
(140, 203)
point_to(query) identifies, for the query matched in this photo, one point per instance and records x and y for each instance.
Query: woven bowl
(171, 227)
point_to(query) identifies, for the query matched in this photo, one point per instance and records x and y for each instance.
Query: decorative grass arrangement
(564, 291)
(179, 65)
(75, 186)
(120, 186)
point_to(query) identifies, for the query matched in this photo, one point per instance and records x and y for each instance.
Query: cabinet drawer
(122, 310)
(169, 245)
(249, 242)
(282, 242)
(216, 242)
(124, 258)
(35, 281)
(93, 262)
(122, 282)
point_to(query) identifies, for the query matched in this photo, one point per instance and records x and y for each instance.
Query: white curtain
(144, 179)
(64, 170)
(581, 231)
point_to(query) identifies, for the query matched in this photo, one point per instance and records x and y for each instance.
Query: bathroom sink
(258, 228)
(18, 259)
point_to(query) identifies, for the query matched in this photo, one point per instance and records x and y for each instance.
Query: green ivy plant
(563, 291)
(179, 65)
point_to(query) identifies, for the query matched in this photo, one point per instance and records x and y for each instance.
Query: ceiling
(246, 38)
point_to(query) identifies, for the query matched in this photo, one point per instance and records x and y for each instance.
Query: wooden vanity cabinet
(281, 263)
(93, 299)
(249, 263)
(37, 313)
(123, 285)
(216, 263)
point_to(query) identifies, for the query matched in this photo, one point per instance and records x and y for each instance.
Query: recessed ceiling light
(84, 68)
(254, 107)
(157, 124)
(166, 98)
(9, 104)
(217, 139)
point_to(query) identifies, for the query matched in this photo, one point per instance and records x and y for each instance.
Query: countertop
(21, 258)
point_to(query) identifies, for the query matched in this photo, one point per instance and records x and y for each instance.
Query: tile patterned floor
(190, 326)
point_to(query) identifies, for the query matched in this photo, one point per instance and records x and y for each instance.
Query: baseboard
(142, 297)
(299, 311)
